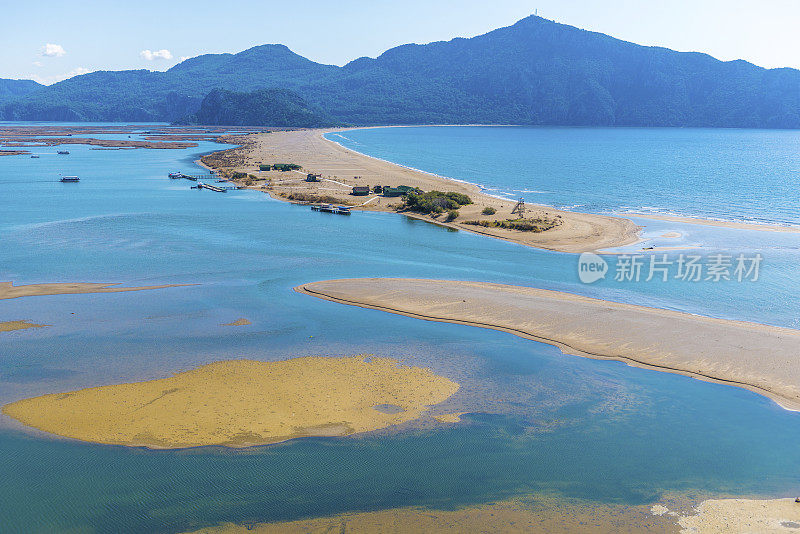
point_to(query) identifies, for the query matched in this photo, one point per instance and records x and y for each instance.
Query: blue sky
(49, 40)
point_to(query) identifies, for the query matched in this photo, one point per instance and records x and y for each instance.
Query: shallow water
(540, 420)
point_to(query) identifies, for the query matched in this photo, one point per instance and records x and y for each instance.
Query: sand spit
(722, 224)
(539, 515)
(757, 357)
(9, 326)
(9, 291)
(239, 403)
(729, 516)
(342, 169)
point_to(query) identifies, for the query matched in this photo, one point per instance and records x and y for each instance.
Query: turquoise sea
(539, 420)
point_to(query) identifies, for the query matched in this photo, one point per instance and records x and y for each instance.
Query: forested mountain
(534, 72)
(275, 107)
(10, 89)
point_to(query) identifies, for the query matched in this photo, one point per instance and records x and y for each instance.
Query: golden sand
(726, 516)
(9, 291)
(8, 326)
(241, 403)
(548, 515)
(757, 357)
(343, 168)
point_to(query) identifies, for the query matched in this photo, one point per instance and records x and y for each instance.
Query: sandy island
(9, 291)
(575, 232)
(239, 403)
(757, 357)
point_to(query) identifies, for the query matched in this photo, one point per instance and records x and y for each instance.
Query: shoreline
(639, 336)
(342, 168)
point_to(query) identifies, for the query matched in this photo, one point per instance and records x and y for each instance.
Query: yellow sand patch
(721, 516)
(238, 322)
(241, 403)
(8, 326)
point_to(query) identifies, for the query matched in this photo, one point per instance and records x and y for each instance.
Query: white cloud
(48, 80)
(38, 64)
(53, 50)
(150, 55)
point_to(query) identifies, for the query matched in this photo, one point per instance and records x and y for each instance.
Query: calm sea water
(749, 175)
(541, 421)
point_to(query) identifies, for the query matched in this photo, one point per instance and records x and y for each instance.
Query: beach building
(313, 177)
(360, 190)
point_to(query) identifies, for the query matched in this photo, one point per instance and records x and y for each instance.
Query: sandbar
(9, 326)
(240, 403)
(722, 224)
(757, 357)
(342, 169)
(9, 291)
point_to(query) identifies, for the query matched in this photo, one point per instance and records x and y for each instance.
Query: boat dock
(327, 208)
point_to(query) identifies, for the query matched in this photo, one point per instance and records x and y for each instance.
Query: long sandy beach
(756, 357)
(341, 169)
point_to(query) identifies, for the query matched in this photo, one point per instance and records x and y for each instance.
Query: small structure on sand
(360, 190)
(313, 177)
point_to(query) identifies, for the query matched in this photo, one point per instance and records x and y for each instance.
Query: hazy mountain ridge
(534, 72)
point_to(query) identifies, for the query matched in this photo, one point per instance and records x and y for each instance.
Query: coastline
(752, 356)
(343, 168)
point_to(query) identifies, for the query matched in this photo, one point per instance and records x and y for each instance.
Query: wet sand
(9, 291)
(757, 357)
(575, 232)
(721, 224)
(240, 403)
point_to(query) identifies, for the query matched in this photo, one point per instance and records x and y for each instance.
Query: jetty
(202, 185)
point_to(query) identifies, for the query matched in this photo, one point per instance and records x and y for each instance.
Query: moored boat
(67, 179)
(63, 152)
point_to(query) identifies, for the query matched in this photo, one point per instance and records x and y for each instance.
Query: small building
(378, 189)
(265, 167)
(313, 177)
(360, 190)
(398, 191)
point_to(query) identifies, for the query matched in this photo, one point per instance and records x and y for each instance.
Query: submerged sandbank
(721, 224)
(343, 168)
(537, 515)
(9, 291)
(240, 403)
(757, 357)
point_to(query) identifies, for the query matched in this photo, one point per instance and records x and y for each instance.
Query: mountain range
(535, 72)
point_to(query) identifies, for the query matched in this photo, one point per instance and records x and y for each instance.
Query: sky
(48, 41)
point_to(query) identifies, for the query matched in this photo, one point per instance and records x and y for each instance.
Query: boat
(175, 175)
(63, 152)
(34, 156)
(327, 208)
(67, 179)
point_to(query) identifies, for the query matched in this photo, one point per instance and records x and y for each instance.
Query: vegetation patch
(311, 197)
(435, 202)
(523, 225)
(488, 210)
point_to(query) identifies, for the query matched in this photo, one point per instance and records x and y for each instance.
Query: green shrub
(434, 201)
(452, 215)
(489, 210)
